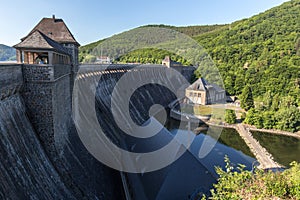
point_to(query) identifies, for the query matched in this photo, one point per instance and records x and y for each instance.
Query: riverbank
(264, 157)
(273, 131)
(253, 128)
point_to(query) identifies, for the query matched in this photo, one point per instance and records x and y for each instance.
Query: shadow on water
(228, 143)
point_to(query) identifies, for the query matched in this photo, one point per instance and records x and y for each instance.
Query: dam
(36, 159)
(47, 153)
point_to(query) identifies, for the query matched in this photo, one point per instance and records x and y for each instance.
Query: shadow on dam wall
(26, 169)
(177, 180)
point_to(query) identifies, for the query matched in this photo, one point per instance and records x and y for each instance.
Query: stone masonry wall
(47, 98)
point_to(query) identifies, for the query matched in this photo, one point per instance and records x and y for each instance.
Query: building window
(199, 94)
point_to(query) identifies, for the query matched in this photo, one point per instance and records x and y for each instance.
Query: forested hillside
(87, 52)
(191, 30)
(262, 53)
(7, 53)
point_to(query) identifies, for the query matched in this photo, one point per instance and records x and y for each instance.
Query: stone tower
(49, 58)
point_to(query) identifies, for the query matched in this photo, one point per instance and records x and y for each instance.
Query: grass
(217, 113)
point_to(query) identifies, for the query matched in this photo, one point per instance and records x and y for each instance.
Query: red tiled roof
(56, 29)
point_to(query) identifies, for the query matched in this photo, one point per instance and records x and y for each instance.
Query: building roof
(202, 85)
(37, 40)
(56, 29)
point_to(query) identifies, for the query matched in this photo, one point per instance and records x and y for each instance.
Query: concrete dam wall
(140, 99)
(162, 183)
(26, 171)
(42, 156)
(38, 164)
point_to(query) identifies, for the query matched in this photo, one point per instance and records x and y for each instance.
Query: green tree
(268, 119)
(247, 98)
(287, 102)
(267, 100)
(253, 117)
(89, 59)
(275, 102)
(229, 85)
(288, 119)
(230, 116)
(239, 83)
(238, 183)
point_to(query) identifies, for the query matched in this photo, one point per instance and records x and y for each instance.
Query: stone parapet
(45, 73)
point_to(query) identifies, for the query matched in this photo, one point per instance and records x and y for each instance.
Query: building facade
(168, 62)
(203, 93)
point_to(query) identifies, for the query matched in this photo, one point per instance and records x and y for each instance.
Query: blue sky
(91, 20)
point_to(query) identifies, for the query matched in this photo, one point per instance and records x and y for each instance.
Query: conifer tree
(246, 98)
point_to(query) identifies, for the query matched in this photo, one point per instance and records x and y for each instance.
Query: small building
(170, 63)
(103, 60)
(49, 42)
(203, 93)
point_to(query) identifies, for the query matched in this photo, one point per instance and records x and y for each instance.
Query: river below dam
(284, 149)
(226, 141)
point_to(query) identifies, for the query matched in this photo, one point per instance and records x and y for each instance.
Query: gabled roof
(37, 40)
(202, 85)
(56, 29)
